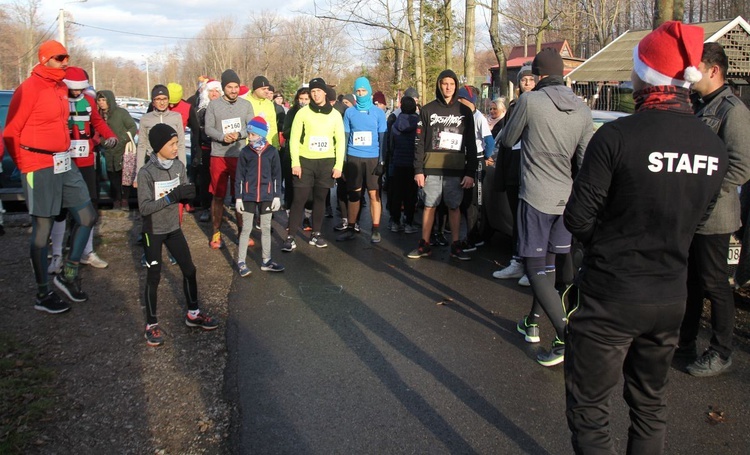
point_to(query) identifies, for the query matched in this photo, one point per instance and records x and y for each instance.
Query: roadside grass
(26, 395)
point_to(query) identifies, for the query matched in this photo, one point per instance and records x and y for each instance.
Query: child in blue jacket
(257, 186)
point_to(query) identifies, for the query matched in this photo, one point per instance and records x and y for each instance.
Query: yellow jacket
(323, 137)
(265, 108)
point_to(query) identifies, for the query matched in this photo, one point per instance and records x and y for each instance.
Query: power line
(44, 37)
(275, 35)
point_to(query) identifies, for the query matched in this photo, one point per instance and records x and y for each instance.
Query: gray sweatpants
(265, 235)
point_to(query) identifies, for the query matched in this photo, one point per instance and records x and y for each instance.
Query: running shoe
(513, 270)
(317, 241)
(555, 356)
(270, 266)
(51, 303)
(458, 253)
(423, 250)
(529, 331)
(289, 245)
(216, 242)
(202, 321)
(153, 335)
(72, 289)
(55, 265)
(242, 268)
(93, 260)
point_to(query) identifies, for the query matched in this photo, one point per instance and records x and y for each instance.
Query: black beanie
(229, 76)
(408, 105)
(260, 81)
(318, 82)
(159, 90)
(330, 94)
(547, 63)
(160, 134)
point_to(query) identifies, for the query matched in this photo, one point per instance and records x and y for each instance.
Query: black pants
(178, 248)
(511, 192)
(117, 190)
(604, 342)
(204, 180)
(402, 190)
(286, 176)
(708, 277)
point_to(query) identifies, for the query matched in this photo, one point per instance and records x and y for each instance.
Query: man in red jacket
(37, 138)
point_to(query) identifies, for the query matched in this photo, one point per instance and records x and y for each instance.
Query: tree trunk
(663, 12)
(497, 47)
(415, 30)
(469, 32)
(448, 45)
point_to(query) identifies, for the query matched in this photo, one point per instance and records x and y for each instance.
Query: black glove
(378, 169)
(187, 193)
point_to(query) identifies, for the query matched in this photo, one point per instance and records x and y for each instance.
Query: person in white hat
(646, 183)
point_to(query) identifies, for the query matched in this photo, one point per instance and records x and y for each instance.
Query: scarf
(164, 164)
(259, 144)
(664, 98)
(326, 108)
(53, 74)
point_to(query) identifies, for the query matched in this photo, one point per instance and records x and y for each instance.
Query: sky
(163, 18)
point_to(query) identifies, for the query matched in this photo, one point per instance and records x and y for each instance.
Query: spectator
(728, 117)
(123, 125)
(403, 188)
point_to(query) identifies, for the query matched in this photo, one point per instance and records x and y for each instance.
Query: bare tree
(469, 40)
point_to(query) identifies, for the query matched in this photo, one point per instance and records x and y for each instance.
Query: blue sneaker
(242, 268)
(270, 266)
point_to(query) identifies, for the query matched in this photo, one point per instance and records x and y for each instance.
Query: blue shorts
(46, 192)
(437, 187)
(541, 233)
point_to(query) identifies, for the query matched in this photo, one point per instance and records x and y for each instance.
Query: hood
(406, 123)
(363, 102)
(439, 94)
(110, 97)
(563, 98)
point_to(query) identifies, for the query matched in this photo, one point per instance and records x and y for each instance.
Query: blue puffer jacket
(258, 176)
(403, 132)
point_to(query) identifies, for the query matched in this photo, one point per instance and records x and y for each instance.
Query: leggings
(247, 227)
(541, 273)
(178, 248)
(300, 198)
(402, 190)
(84, 217)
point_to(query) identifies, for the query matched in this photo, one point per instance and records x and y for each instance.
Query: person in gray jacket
(226, 120)
(162, 183)
(708, 271)
(160, 114)
(555, 126)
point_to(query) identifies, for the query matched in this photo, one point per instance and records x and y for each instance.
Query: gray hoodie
(554, 126)
(159, 215)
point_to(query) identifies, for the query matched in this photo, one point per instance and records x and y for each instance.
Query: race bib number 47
(79, 148)
(231, 125)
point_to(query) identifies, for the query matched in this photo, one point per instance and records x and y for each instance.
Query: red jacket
(95, 126)
(37, 118)
(183, 108)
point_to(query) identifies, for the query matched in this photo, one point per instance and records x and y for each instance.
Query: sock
(193, 313)
(42, 290)
(70, 271)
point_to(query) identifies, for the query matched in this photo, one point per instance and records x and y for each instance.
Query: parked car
(10, 177)
(496, 216)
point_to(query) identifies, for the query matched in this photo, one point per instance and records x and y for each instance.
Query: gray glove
(110, 142)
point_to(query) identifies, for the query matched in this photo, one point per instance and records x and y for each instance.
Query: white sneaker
(55, 265)
(524, 281)
(514, 270)
(94, 260)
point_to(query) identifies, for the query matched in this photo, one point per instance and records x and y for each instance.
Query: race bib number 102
(319, 144)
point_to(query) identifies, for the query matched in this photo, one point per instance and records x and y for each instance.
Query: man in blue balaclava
(364, 126)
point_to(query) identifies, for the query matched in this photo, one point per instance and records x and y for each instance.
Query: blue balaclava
(363, 102)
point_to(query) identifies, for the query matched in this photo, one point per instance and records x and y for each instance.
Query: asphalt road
(356, 349)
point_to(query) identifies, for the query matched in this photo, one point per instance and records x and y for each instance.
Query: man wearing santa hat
(37, 138)
(646, 183)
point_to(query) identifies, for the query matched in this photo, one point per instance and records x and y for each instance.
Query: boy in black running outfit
(162, 183)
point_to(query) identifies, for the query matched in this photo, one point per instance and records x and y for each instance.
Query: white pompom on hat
(670, 55)
(76, 78)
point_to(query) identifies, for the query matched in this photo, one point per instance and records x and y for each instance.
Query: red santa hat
(670, 55)
(76, 78)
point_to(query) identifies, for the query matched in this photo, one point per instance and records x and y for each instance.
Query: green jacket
(120, 121)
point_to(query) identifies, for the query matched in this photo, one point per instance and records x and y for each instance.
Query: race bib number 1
(319, 144)
(79, 148)
(231, 125)
(62, 162)
(450, 141)
(161, 189)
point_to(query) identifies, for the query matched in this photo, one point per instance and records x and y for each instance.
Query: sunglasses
(60, 58)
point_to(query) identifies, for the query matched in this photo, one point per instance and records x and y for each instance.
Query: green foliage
(25, 395)
(289, 87)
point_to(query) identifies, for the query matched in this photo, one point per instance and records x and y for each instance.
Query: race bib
(319, 144)
(231, 125)
(450, 141)
(62, 162)
(79, 148)
(161, 189)
(362, 138)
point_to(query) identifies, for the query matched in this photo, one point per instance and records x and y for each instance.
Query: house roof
(560, 46)
(614, 62)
